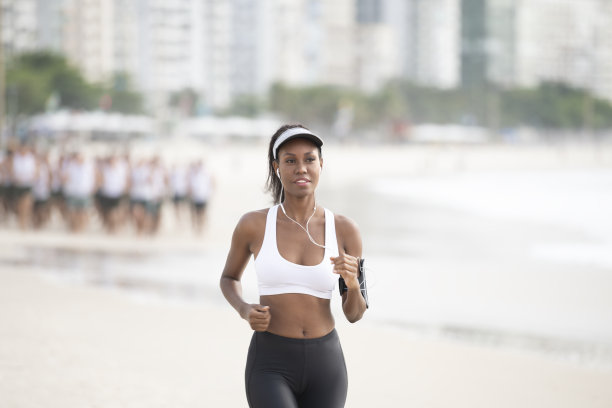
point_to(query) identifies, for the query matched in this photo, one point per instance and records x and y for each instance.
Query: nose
(300, 168)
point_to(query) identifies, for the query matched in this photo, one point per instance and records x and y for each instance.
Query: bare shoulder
(345, 225)
(348, 235)
(252, 221)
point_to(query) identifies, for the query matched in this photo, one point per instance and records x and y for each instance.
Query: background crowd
(116, 189)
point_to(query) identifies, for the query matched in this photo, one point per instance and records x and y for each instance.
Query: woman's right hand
(258, 316)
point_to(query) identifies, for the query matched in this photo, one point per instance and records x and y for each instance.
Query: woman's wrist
(352, 284)
(243, 310)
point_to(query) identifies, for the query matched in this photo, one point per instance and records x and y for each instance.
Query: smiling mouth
(302, 182)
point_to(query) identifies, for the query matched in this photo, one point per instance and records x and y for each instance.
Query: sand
(73, 346)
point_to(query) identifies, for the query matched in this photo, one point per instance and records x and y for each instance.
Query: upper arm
(348, 235)
(244, 236)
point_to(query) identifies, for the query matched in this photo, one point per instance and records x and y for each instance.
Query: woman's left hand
(347, 266)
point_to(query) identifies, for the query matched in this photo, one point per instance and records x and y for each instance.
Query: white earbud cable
(309, 218)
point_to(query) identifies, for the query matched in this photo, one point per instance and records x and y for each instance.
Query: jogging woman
(300, 250)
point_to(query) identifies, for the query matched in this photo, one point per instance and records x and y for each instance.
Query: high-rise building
(170, 47)
(474, 35)
(313, 42)
(247, 47)
(436, 42)
(336, 42)
(565, 41)
(88, 37)
(370, 11)
(19, 26)
(377, 55)
(225, 49)
(413, 39)
(522, 43)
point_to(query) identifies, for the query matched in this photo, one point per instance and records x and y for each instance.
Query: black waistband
(282, 339)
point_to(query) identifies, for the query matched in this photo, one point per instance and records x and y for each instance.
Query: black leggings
(283, 372)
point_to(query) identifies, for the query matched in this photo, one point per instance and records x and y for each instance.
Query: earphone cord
(362, 285)
(313, 213)
(305, 229)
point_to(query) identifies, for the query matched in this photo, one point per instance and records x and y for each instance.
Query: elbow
(223, 283)
(354, 312)
(354, 317)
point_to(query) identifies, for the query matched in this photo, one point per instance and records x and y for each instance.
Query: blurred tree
(551, 105)
(554, 105)
(120, 97)
(315, 105)
(33, 77)
(185, 101)
(40, 80)
(246, 105)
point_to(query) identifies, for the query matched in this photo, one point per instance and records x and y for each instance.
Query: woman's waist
(297, 315)
(278, 339)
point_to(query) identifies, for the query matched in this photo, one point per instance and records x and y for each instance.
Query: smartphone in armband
(362, 283)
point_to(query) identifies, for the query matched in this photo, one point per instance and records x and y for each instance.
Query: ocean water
(520, 257)
(514, 258)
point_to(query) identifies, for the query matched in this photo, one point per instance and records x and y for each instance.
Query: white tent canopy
(90, 122)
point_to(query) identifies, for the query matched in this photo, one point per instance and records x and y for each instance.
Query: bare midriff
(299, 316)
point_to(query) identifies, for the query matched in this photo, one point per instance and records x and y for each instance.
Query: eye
(310, 159)
(290, 161)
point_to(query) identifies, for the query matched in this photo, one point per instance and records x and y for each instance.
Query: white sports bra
(276, 275)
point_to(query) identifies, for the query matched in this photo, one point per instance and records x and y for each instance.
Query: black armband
(362, 283)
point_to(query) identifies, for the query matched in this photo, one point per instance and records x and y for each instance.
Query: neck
(299, 209)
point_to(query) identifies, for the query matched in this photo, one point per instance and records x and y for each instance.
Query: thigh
(327, 380)
(269, 390)
(268, 374)
(327, 390)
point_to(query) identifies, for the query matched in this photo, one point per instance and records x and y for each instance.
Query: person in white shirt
(41, 192)
(23, 175)
(79, 186)
(159, 186)
(58, 171)
(200, 191)
(114, 184)
(140, 193)
(179, 189)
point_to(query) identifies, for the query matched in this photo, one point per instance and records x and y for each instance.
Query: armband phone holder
(362, 283)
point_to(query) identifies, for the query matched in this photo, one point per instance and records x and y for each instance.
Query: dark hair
(273, 184)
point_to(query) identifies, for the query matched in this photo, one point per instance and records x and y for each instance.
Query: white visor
(293, 133)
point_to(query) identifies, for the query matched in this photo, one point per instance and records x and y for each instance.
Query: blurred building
(378, 54)
(224, 50)
(30, 24)
(522, 43)
(313, 42)
(414, 39)
(566, 41)
(249, 60)
(435, 34)
(88, 37)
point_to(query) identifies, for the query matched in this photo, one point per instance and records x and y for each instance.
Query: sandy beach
(66, 344)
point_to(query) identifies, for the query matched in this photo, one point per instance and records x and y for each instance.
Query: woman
(300, 250)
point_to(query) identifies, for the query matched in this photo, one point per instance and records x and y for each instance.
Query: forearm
(354, 305)
(232, 290)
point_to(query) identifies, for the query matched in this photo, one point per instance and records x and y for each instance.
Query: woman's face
(300, 166)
